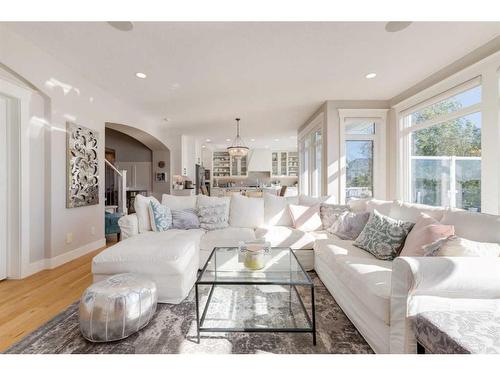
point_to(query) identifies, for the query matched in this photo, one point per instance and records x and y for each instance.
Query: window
(363, 153)
(311, 162)
(444, 166)
(359, 170)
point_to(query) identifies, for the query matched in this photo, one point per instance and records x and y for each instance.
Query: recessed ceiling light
(228, 140)
(395, 26)
(203, 146)
(252, 140)
(208, 140)
(121, 25)
(140, 75)
(371, 75)
(276, 140)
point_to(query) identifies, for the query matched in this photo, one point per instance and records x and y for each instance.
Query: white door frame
(17, 239)
(3, 187)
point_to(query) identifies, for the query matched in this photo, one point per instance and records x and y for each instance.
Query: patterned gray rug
(173, 328)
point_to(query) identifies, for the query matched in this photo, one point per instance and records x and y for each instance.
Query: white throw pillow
(306, 218)
(276, 211)
(179, 202)
(141, 206)
(246, 212)
(305, 200)
(454, 246)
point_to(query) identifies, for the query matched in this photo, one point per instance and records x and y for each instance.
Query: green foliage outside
(458, 137)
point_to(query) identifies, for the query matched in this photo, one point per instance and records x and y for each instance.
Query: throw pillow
(276, 211)
(329, 213)
(454, 246)
(427, 230)
(204, 201)
(213, 217)
(383, 236)
(185, 219)
(141, 207)
(349, 225)
(246, 212)
(305, 218)
(160, 216)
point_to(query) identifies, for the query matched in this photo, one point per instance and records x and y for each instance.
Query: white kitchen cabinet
(285, 163)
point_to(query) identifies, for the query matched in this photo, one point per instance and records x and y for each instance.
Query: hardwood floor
(28, 303)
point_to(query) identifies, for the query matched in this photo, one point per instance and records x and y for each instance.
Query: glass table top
(226, 266)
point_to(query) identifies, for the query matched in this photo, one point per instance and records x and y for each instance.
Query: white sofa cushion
(227, 237)
(157, 253)
(281, 236)
(246, 212)
(276, 211)
(306, 218)
(366, 277)
(411, 211)
(383, 207)
(474, 226)
(175, 202)
(306, 200)
(141, 207)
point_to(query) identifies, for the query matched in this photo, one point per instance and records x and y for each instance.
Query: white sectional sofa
(379, 297)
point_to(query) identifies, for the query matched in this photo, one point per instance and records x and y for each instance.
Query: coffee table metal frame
(311, 319)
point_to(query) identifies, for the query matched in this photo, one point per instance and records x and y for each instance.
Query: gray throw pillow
(185, 219)
(213, 217)
(383, 236)
(329, 213)
(349, 225)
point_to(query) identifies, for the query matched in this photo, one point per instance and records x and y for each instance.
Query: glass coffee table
(237, 299)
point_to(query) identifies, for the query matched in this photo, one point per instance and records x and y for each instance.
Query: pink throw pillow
(426, 231)
(306, 218)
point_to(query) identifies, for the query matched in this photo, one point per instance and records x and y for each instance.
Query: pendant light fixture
(238, 148)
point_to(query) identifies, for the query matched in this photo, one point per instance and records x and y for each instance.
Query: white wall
(71, 98)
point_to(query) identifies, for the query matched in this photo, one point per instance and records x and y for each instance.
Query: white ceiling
(273, 75)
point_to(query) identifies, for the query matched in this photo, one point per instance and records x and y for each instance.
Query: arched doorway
(149, 175)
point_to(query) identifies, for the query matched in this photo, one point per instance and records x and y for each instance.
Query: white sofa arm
(448, 277)
(129, 226)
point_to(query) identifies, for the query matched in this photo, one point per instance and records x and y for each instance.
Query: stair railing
(122, 188)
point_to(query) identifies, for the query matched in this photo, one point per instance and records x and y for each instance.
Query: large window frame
(312, 176)
(379, 117)
(406, 128)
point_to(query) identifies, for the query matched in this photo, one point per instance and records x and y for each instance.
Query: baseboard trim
(49, 263)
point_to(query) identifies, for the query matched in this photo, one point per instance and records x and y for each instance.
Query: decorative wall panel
(82, 166)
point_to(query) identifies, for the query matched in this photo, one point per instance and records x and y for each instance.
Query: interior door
(3, 188)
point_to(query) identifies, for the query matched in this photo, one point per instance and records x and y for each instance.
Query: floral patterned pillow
(160, 215)
(329, 213)
(383, 236)
(213, 217)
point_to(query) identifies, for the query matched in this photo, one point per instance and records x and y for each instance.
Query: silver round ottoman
(117, 307)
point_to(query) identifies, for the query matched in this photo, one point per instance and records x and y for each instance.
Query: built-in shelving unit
(285, 164)
(221, 164)
(293, 164)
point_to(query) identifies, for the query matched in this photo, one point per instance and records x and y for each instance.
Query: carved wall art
(82, 166)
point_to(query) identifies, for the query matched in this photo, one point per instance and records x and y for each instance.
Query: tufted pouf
(117, 307)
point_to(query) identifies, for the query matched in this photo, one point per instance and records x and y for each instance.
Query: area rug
(173, 329)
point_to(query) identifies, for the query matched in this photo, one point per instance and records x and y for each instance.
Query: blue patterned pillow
(160, 215)
(185, 219)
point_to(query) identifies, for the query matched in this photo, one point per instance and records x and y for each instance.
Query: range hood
(260, 160)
